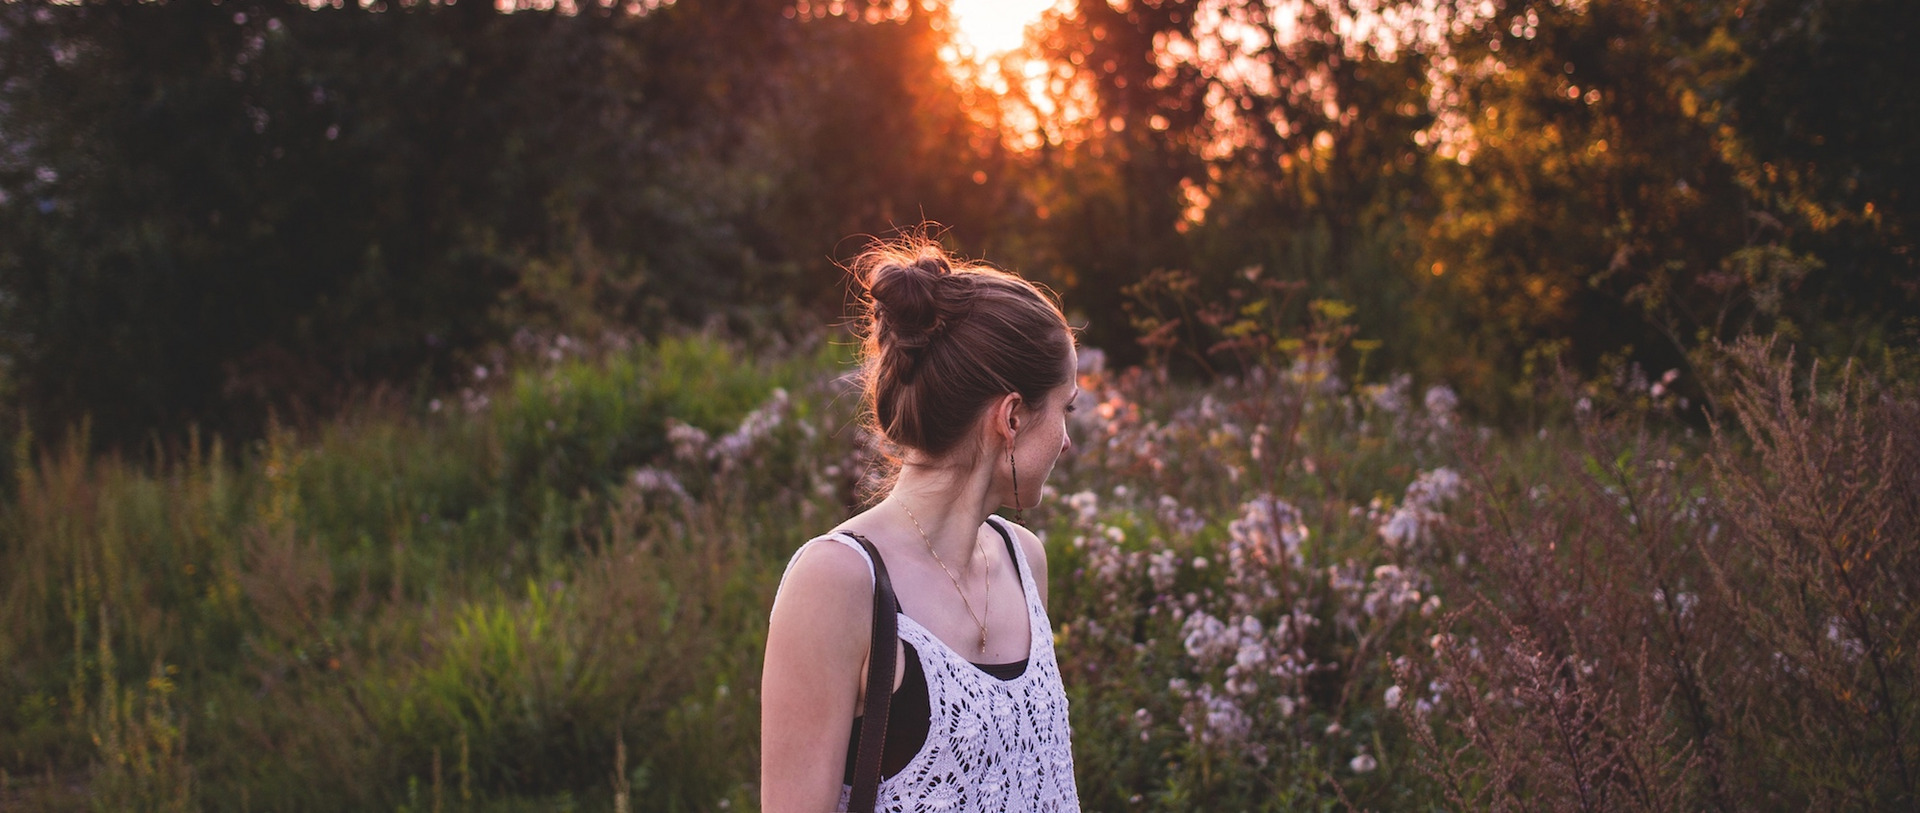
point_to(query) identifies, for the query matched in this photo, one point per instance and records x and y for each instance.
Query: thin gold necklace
(986, 600)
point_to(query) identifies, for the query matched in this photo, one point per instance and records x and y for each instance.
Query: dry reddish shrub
(1559, 684)
(1661, 626)
(1820, 574)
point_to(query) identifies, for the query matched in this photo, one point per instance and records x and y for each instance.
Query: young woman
(969, 375)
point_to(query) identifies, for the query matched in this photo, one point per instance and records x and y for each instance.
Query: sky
(992, 26)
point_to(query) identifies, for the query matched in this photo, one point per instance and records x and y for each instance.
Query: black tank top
(910, 713)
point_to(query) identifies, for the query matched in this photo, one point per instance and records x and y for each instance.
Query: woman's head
(944, 340)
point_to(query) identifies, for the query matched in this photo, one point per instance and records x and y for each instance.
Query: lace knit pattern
(992, 745)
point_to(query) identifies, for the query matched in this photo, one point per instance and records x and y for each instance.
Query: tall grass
(1279, 590)
(454, 609)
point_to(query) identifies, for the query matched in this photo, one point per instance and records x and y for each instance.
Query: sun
(989, 27)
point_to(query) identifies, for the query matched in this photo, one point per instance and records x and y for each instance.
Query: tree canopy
(211, 211)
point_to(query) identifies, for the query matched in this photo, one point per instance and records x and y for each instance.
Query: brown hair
(941, 339)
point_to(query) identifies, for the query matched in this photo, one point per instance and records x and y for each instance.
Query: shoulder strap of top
(879, 699)
(1013, 548)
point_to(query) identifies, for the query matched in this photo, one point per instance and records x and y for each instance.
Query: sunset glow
(989, 27)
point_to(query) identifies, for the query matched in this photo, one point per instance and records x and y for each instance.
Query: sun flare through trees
(1506, 402)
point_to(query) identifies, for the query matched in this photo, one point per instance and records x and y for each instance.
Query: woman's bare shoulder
(817, 644)
(826, 576)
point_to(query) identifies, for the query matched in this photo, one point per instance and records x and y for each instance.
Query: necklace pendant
(983, 643)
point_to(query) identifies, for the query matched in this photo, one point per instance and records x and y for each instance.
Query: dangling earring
(1019, 513)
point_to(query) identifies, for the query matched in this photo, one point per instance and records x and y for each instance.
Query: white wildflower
(1401, 528)
(1181, 519)
(1086, 504)
(1391, 397)
(1268, 529)
(1392, 590)
(1251, 654)
(756, 427)
(1434, 487)
(1207, 639)
(1440, 401)
(1162, 567)
(1417, 513)
(1215, 719)
(689, 441)
(651, 480)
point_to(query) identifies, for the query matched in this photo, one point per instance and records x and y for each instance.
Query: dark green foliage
(1646, 175)
(217, 210)
(1823, 104)
(244, 208)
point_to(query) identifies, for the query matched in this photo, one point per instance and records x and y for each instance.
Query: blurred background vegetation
(210, 212)
(383, 431)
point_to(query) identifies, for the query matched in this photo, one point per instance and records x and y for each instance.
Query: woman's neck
(948, 507)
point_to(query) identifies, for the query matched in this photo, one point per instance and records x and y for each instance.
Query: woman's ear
(1006, 416)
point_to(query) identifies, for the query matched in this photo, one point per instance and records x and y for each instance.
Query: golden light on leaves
(989, 27)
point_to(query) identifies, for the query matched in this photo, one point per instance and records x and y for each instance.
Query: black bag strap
(873, 726)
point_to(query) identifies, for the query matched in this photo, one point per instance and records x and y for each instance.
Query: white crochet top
(992, 744)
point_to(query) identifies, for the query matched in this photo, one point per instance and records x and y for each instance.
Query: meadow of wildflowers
(1279, 590)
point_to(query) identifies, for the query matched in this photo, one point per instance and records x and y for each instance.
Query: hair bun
(940, 338)
(908, 308)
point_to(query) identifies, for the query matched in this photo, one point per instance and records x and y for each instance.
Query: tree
(1621, 179)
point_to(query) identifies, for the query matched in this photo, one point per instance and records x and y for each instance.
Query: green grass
(321, 620)
(551, 593)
